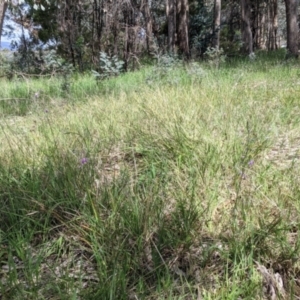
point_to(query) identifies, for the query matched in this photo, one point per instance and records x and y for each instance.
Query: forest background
(79, 30)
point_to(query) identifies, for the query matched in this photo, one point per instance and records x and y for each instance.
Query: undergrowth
(152, 185)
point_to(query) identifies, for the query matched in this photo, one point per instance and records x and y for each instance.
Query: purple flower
(251, 163)
(84, 161)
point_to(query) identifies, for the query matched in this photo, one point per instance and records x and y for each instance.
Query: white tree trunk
(217, 23)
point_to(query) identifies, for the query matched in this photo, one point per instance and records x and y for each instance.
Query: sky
(5, 40)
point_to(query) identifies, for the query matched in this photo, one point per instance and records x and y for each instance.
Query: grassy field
(172, 182)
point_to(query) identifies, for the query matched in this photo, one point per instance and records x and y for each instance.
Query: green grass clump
(176, 183)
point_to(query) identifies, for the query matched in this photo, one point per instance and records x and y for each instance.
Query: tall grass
(181, 184)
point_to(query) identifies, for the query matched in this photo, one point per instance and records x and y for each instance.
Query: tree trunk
(149, 26)
(182, 31)
(171, 17)
(259, 22)
(263, 29)
(217, 23)
(246, 26)
(292, 27)
(3, 7)
(272, 45)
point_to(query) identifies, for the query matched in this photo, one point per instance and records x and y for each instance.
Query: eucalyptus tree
(247, 36)
(3, 7)
(146, 9)
(292, 27)
(217, 24)
(264, 24)
(177, 20)
(273, 25)
(171, 19)
(182, 28)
